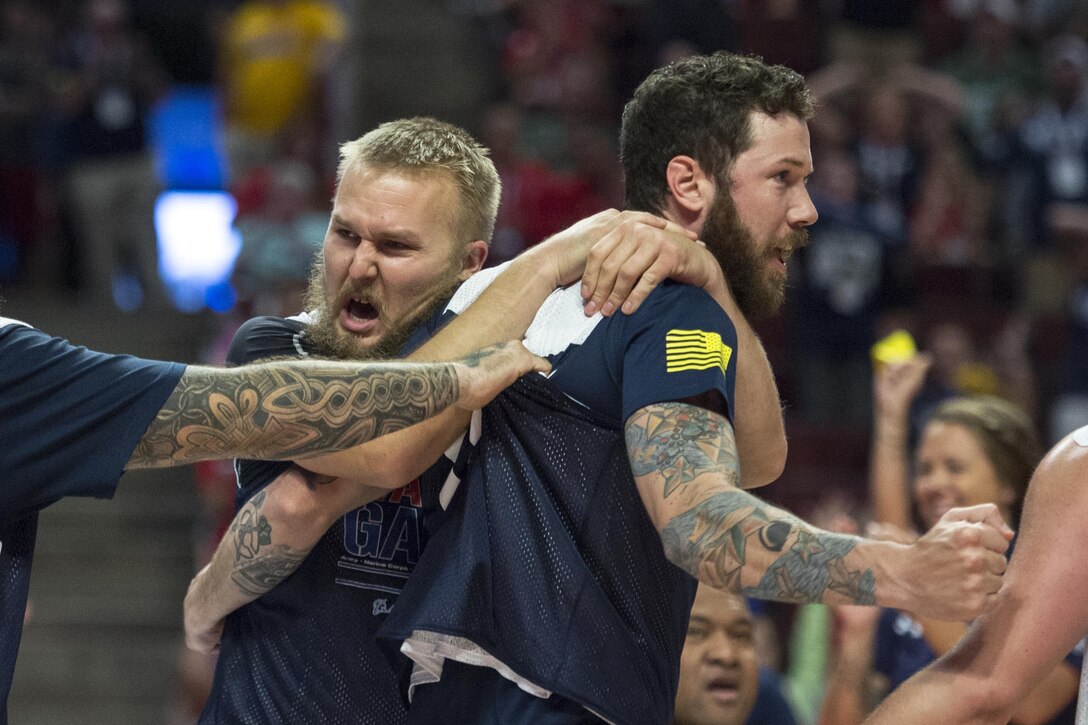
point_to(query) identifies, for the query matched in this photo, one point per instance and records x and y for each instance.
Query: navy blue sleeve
(425, 331)
(678, 345)
(70, 417)
(260, 338)
(257, 339)
(901, 648)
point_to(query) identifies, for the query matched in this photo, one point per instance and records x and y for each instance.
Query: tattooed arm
(294, 517)
(270, 536)
(760, 429)
(685, 464)
(274, 532)
(290, 410)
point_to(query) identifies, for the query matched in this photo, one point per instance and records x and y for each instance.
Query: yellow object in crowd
(897, 347)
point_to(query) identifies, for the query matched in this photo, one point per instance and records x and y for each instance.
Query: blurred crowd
(951, 152)
(951, 155)
(951, 147)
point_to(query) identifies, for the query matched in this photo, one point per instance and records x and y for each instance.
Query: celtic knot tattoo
(251, 530)
(286, 410)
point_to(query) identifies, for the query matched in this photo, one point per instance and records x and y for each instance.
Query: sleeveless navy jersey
(69, 421)
(305, 651)
(16, 554)
(546, 566)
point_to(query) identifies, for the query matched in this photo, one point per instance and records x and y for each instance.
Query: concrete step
(157, 334)
(97, 665)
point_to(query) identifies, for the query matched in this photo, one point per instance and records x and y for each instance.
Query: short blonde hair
(424, 145)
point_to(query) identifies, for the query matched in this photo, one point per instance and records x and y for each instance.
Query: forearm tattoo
(679, 442)
(258, 565)
(716, 538)
(474, 358)
(718, 535)
(285, 410)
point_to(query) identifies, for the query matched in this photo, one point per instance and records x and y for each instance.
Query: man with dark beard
(415, 199)
(557, 587)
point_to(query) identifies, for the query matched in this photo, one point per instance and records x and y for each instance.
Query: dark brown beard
(329, 340)
(758, 294)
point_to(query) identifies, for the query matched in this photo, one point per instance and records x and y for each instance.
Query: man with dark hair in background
(721, 681)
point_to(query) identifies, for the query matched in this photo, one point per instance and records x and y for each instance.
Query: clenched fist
(954, 570)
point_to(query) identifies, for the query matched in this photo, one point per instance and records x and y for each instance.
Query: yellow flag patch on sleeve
(695, 350)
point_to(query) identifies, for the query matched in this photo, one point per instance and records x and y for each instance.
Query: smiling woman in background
(972, 450)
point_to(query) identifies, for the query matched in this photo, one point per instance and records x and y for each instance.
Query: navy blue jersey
(305, 651)
(547, 566)
(900, 649)
(771, 706)
(70, 417)
(69, 421)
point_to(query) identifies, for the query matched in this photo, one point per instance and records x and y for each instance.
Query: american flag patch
(695, 350)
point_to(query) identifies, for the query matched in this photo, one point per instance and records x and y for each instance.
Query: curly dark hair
(701, 107)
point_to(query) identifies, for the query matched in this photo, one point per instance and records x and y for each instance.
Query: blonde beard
(329, 340)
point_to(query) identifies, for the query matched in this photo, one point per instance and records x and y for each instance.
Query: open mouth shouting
(781, 255)
(724, 688)
(358, 316)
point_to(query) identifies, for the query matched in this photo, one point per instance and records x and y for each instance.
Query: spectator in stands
(947, 221)
(1047, 18)
(275, 55)
(109, 83)
(721, 681)
(887, 161)
(994, 68)
(1069, 225)
(870, 114)
(790, 32)
(538, 200)
(524, 182)
(25, 47)
(1055, 138)
(844, 280)
(282, 218)
(879, 35)
(973, 450)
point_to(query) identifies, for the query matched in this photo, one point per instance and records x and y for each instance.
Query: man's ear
(475, 256)
(691, 190)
